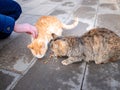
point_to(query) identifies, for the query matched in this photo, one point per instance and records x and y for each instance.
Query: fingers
(26, 28)
(34, 32)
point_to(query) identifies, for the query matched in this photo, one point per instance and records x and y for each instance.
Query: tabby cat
(99, 44)
(46, 25)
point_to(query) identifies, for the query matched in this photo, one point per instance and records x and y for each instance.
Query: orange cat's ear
(30, 46)
(54, 35)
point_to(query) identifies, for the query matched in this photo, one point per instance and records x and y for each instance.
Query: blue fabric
(10, 8)
(6, 24)
(4, 35)
(9, 13)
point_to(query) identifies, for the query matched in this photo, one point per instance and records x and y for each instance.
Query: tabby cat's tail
(72, 25)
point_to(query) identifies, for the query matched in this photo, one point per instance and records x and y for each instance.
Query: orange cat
(47, 25)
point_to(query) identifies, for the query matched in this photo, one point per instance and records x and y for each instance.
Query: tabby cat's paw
(64, 62)
(99, 62)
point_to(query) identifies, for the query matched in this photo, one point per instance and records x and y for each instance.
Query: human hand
(26, 28)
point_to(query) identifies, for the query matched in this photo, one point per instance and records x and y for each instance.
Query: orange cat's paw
(64, 62)
(99, 62)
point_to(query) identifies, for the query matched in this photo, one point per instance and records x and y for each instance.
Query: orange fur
(46, 25)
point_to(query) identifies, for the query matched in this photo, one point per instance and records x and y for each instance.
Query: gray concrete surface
(19, 70)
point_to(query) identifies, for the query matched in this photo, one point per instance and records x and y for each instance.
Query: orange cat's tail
(72, 25)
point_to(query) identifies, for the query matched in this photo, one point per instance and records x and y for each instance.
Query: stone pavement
(19, 70)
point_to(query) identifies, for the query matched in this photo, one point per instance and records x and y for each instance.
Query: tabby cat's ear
(54, 35)
(30, 46)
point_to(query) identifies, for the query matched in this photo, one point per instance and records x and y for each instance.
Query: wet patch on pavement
(57, 12)
(70, 4)
(108, 8)
(62, 15)
(56, 0)
(89, 2)
(42, 9)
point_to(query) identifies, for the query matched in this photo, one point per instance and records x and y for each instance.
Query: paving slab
(85, 12)
(52, 76)
(102, 77)
(110, 21)
(15, 56)
(7, 78)
(8, 40)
